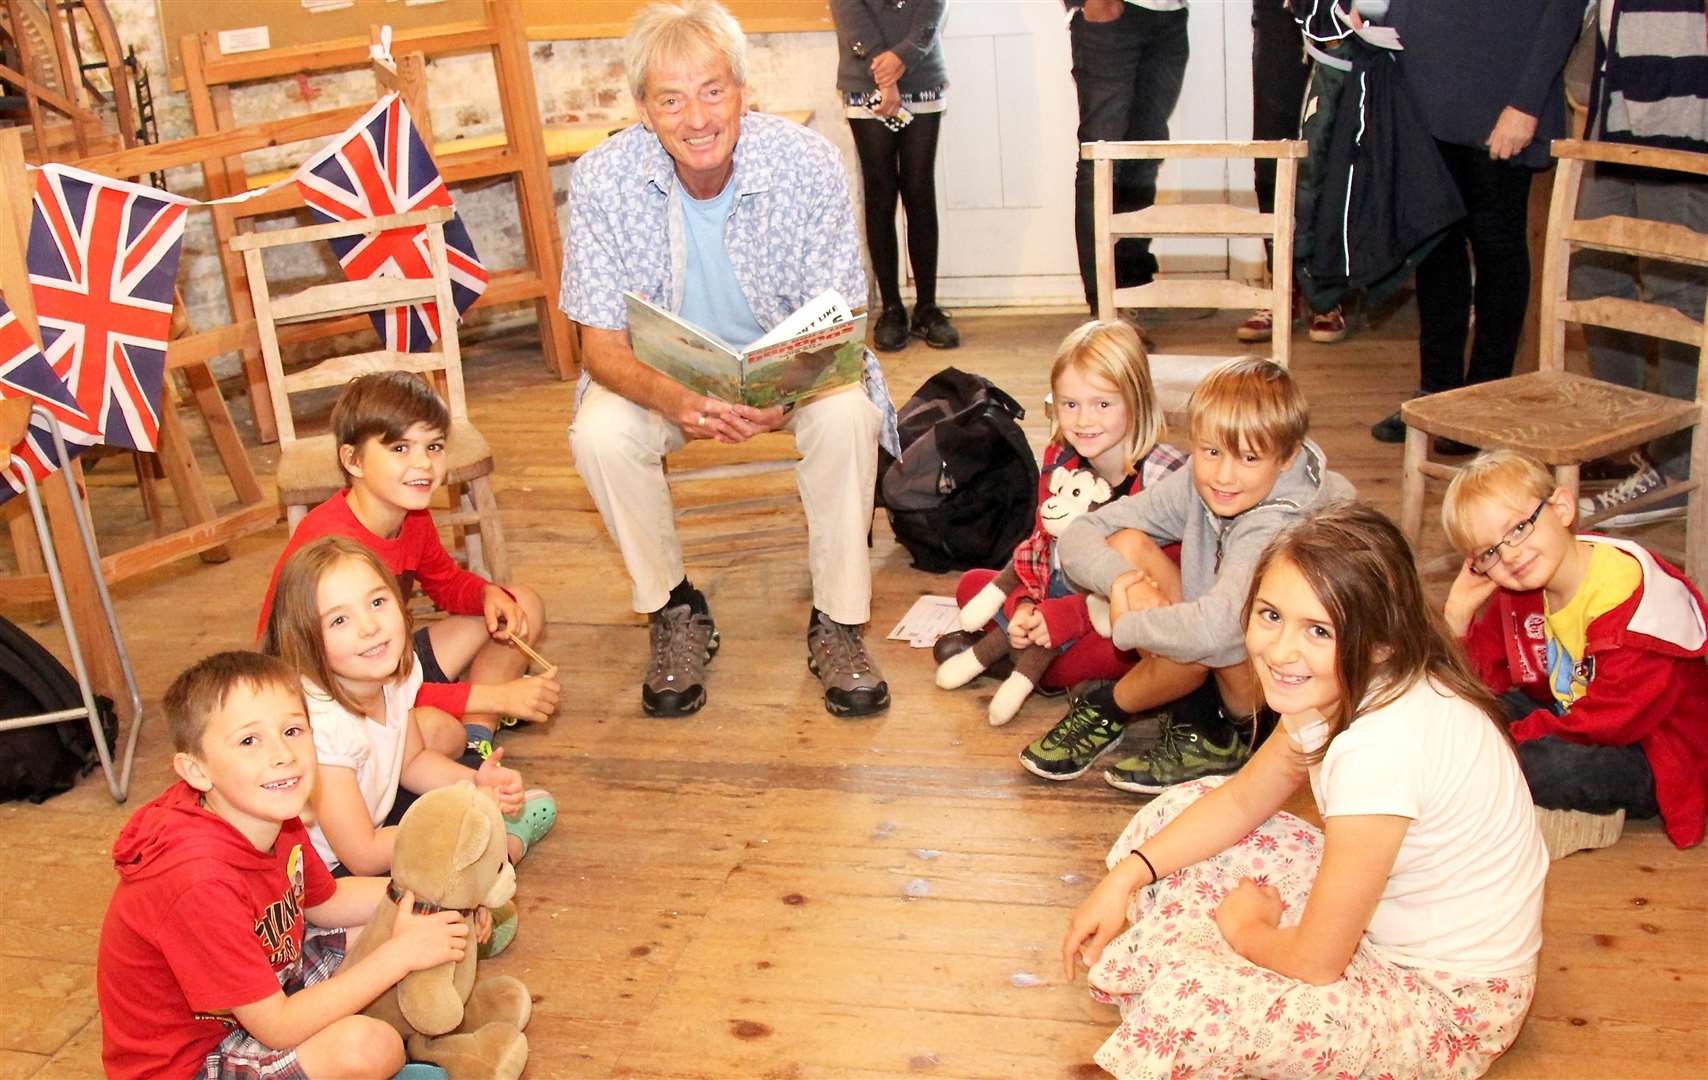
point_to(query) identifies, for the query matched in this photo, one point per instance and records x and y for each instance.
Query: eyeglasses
(1484, 560)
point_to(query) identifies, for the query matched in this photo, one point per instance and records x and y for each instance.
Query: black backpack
(39, 762)
(965, 490)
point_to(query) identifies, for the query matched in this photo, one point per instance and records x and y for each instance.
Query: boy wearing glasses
(1597, 644)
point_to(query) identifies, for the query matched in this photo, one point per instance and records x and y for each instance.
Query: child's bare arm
(1358, 856)
(417, 942)
(343, 817)
(427, 770)
(352, 902)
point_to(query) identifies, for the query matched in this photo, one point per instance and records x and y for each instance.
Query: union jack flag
(380, 167)
(25, 372)
(103, 259)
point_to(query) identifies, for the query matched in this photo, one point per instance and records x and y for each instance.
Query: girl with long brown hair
(1402, 936)
(339, 619)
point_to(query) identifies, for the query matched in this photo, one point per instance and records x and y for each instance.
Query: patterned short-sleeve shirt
(790, 236)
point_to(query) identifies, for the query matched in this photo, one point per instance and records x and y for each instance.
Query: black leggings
(900, 162)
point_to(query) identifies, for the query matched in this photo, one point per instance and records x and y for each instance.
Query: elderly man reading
(732, 220)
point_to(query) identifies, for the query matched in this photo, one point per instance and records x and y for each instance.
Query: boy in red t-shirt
(203, 967)
(391, 429)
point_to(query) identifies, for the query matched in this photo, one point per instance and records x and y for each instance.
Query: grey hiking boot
(836, 653)
(683, 643)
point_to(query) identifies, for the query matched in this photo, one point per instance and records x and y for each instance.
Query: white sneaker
(1642, 482)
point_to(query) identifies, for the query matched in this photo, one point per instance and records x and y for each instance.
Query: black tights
(900, 162)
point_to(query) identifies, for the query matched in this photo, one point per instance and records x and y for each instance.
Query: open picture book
(820, 347)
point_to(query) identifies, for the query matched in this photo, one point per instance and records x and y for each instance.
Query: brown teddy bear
(450, 852)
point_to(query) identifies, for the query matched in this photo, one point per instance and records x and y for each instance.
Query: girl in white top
(339, 619)
(1402, 937)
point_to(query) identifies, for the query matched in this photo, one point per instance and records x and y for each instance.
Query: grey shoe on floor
(1640, 484)
(683, 643)
(836, 653)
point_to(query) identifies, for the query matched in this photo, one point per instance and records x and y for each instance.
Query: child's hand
(482, 925)
(1144, 594)
(426, 941)
(504, 616)
(1470, 591)
(1094, 923)
(502, 784)
(1040, 633)
(1021, 623)
(532, 697)
(1249, 904)
(1133, 591)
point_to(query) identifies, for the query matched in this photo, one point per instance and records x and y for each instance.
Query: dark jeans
(900, 164)
(1594, 779)
(1279, 72)
(1493, 235)
(1128, 75)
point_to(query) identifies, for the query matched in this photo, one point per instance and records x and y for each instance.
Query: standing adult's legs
(918, 183)
(876, 146)
(1279, 72)
(1128, 75)
(1444, 294)
(1104, 62)
(1163, 49)
(1497, 222)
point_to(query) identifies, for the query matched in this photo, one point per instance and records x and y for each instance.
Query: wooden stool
(1174, 375)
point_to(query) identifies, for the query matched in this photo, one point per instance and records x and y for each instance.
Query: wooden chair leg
(1696, 515)
(491, 530)
(1566, 476)
(470, 539)
(1412, 486)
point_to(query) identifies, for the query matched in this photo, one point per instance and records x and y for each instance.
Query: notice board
(283, 23)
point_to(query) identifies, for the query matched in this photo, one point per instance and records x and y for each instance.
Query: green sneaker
(1067, 750)
(1182, 753)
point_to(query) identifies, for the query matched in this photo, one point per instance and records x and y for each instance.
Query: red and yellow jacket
(1648, 681)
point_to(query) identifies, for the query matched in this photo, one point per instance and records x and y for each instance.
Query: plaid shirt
(790, 236)
(1034, 555)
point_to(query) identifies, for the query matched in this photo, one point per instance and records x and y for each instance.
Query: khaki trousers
(619, 450)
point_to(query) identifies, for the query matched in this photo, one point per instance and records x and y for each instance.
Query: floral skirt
(1191, 1006)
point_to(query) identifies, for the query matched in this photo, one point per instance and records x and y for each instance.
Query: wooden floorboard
(764, 890)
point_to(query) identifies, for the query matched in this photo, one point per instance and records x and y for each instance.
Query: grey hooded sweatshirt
(1217, 556)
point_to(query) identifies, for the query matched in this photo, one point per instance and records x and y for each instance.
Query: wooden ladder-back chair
(1561, 418)
(1176, 375)
(309, 472)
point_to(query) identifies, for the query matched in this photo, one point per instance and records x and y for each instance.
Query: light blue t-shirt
(711, 295)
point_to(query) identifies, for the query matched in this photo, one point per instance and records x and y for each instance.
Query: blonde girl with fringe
(1105, 424)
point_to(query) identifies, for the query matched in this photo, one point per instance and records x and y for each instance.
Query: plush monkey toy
(1032, 575)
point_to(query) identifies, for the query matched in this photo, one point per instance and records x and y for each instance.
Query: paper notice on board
(245, 39)
(317, 7)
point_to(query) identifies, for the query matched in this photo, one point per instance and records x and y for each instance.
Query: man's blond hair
(682, 30)
(1493, 474)
(1250, 403)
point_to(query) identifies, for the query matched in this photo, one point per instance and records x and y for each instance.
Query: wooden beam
(1192, 148)
(343, 53)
